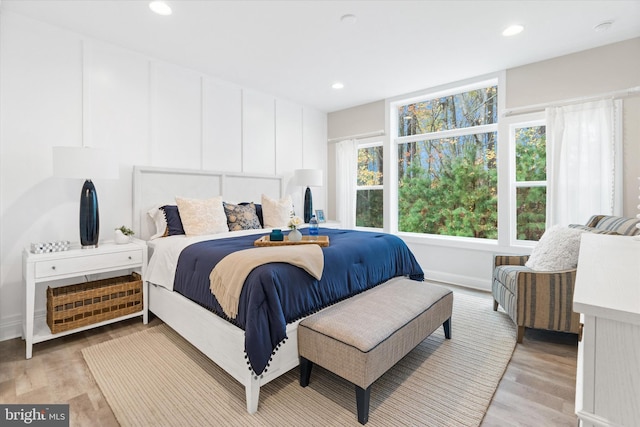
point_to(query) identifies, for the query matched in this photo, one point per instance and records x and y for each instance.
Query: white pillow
(557, 249)
(276, 213)
(159, 221)
(202, 216)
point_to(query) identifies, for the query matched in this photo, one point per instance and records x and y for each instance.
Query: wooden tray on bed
(320, 241)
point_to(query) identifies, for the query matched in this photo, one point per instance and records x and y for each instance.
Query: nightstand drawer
(60, 267)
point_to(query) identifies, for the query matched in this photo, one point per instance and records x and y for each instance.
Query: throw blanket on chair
(228, 276)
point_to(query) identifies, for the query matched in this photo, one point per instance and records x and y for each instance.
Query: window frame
(530, 120)
(362, 144)
(391, 149)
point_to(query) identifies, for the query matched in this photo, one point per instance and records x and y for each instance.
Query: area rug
(155, 378)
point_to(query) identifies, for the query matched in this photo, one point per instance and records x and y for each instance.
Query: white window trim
(368, 143)
(391, 159)
(518, 122)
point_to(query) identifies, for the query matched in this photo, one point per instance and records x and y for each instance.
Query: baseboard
(10, 327)
(457, 279)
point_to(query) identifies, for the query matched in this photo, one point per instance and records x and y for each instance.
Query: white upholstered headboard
(154, 186)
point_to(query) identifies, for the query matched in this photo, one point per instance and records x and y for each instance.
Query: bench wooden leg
(362, 402)
(305, 371)
(447, 328)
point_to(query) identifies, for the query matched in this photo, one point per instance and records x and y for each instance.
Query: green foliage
(370, 166)
(369, 208)
(126, 231)
(531, 212)
(448, 186)
(531, 154)
(531, 159)
(461, 200)
(369, 201)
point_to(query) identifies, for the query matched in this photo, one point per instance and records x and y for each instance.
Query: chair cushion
(507, 275)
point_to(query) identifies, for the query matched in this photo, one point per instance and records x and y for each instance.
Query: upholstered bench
(362, 337)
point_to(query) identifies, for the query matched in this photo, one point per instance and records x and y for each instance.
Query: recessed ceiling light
(603, 26)
(512, 30)
(337, 85)
(348, 19)
(160, 7)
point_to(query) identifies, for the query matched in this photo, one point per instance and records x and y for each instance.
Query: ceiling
(296, 50)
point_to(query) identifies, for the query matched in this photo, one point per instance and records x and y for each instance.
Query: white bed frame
(218, 339)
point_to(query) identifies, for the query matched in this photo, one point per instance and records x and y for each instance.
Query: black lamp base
(89, 217)
(308, 205)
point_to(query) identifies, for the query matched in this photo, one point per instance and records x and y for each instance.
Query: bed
(240, 345)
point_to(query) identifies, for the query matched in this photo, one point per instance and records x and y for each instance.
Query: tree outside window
(369, 193)
(530, 180)
(447, 171)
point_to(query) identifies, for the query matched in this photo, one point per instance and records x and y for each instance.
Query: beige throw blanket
(228, 276)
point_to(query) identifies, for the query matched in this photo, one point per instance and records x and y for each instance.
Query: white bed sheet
(162, 266)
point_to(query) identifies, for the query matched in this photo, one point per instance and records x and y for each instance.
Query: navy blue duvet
(278, 293)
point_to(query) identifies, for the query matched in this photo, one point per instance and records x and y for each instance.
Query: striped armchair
(544, 300)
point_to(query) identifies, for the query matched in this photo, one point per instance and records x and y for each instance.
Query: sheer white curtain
(584, 161)
(346, 174)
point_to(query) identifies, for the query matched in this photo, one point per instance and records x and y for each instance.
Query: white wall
(150, 112)
(587, 73)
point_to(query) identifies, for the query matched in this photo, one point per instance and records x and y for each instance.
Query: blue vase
(276, 235)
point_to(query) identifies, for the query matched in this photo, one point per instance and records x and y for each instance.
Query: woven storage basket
(74, 306)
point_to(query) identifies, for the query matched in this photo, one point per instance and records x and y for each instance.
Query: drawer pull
(130, 257)
(53, 267)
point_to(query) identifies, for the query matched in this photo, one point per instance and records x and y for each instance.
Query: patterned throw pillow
(174, 223)
(241, 217)
(159, 221)
(276, 213)
(258, 211)
(202, 216)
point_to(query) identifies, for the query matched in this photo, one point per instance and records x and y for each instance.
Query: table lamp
(86, 163)
(308, 178)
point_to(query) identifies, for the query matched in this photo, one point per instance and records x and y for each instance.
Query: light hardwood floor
(537, 389)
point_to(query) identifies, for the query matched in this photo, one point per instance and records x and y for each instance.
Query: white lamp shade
(308, 177)
(84, 163)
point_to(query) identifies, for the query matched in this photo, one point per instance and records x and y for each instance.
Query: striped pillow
(593, 230)
(622, 225)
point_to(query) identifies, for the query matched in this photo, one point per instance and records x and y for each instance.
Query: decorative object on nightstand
(86, 163)
(320, 215)
(123, 235)
(294, 234)
(308, 178)
(45, 247)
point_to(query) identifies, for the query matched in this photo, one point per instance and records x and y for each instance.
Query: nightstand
(75, 262)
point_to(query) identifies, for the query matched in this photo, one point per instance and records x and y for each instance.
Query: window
(369, 193)
(447, 170)
(530, 183)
